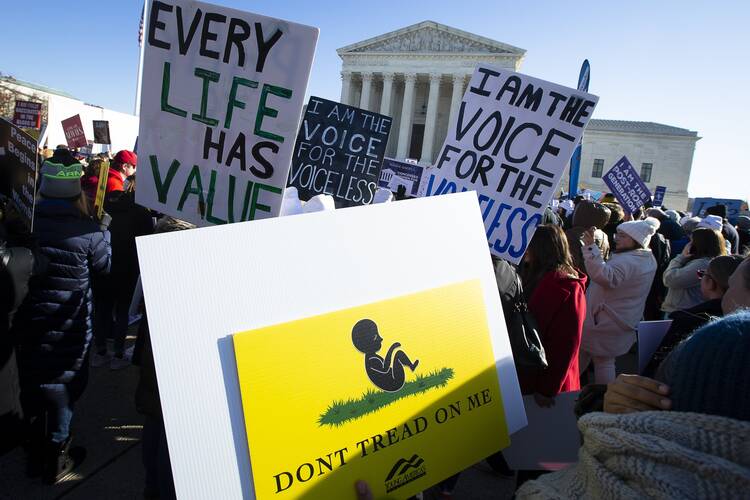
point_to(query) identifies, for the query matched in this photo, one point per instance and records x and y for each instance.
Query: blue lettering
(532, 223)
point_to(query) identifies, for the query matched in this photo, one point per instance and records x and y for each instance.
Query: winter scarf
(653, 455)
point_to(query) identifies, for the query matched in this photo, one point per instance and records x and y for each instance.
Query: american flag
(140, 29)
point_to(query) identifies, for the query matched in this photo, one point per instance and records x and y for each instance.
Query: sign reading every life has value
(222, 97)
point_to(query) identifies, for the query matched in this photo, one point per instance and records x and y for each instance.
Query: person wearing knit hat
(689, 224)
(616, 296)
(743, 232)
(713, 222)
(53, 328)
(727, 229)
(673, 215)
(123, 166)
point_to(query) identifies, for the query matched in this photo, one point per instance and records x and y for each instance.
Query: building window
(646, 169)
(598, 169)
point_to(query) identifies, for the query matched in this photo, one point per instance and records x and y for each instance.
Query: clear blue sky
(683, 63)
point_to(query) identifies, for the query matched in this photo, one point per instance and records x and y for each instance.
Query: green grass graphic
(340, 412)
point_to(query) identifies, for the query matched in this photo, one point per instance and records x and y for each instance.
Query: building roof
(443, 39)
(34, 86)
(638, 128)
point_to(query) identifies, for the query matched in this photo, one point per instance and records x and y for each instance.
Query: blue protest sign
(734, 207)
(398, 173)
(659, 195)
(627, 186)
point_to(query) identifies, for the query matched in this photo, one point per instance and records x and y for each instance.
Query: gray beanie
(59, 180)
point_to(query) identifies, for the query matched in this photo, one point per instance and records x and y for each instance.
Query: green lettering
(207, 76)
(195, 176)
(210, 201)
(263, 110)
(165, 106)
(257, 206)
(162, 187)
(233, 102)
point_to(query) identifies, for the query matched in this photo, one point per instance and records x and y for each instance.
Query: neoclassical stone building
(418, 74)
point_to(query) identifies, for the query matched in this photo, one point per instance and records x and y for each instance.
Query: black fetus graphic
(387, 374)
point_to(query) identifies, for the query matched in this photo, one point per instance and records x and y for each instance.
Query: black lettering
(290, 480)
(512, 138)
(236, 38)
(377, 442)
(208, 144)
(267, 171)
(322, 462)
(556, 98)
(299, 472)
(583, 112)
(472, 156)
(486, 398)
(392, 437)
(264, 47)
(485, 165)
(182, 41)
(487, 74)
(474, 401)
(531, 98)
(570, 109)
(498, 119)
(444, 155)
(460, 132)
(511, 85)
(535, 191)
(522, 186)
(547, 147)
(237, 152)
(154, 24)
(507, 170)
(206, 35)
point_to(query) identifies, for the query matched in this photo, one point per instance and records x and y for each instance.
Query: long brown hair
(707, 243)
(547, 251)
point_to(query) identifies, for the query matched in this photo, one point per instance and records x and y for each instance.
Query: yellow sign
(402, 393)
(101, 189)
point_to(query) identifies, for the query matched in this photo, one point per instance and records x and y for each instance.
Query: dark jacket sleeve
(100, 253)
(556, 312)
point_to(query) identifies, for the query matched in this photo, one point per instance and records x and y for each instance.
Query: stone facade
(418, 74)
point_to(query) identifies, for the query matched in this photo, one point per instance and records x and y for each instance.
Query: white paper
(650, 335)
(203, 285)
(550, 441)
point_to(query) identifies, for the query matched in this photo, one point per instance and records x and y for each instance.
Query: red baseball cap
(126, 156)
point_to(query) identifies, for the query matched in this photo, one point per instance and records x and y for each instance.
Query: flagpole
(141, 49)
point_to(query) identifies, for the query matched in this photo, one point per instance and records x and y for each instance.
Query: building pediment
(430, 37)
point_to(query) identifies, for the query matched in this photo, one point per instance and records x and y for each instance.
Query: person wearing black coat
(53, 327)
(714, 283)
(114, 294)
(743, 231)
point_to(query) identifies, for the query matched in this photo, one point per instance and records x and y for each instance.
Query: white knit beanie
(640, 230)
(712, 222)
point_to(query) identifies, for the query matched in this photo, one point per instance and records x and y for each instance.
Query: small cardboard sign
(101, 132)
(18, 162)
(74, 134)
(222, 97)
(510, 141)
(659, 195)
(339, 151)
(27, 114)
(398, 173)
(625, 183)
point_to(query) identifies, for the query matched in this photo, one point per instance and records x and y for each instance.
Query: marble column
(428, 140)
(458, 92)
(364, 101)
(407, 115)
(346, 86)
(385, 101)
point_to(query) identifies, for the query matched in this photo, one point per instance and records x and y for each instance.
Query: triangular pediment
(430, 37)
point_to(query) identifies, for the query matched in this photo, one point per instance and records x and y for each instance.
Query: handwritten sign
(627, 186)
(510, 142)
(339, 151)
(223, 92)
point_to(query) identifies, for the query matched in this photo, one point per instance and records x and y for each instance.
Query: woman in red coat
(556, 293)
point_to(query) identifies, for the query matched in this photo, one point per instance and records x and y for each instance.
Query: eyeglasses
(702, 272)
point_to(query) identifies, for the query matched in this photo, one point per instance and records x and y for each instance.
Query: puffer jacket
(53, 327)
(586, 215)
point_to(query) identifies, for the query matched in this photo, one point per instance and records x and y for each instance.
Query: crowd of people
(591, 274)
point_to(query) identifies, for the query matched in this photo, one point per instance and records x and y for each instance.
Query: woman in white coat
(616, 296)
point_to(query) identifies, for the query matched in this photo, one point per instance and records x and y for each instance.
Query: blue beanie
(710, 371)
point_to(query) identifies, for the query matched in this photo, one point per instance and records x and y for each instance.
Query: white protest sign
(510, 142)
(222, 98)
(650, 335)
(281, 283)
(551, 439)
